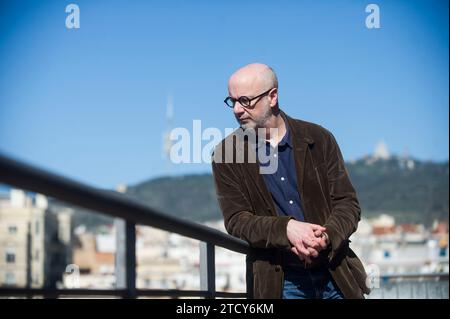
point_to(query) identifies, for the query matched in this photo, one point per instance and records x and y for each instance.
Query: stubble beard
(258, 122)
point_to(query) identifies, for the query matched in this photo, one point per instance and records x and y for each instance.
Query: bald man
(299, 217)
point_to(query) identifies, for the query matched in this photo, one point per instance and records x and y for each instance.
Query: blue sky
(90, 103)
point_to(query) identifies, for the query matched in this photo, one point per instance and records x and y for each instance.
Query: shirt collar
(285, 141)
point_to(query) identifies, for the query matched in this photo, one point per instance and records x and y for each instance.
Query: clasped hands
(307, 239)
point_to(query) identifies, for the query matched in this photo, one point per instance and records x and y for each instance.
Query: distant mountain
(190, 197)
(410, 190)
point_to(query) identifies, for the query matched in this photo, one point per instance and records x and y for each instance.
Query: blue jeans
(300, 283)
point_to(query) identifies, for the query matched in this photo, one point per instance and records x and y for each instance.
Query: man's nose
(238, 108)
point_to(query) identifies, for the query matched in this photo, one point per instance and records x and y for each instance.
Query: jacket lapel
(253, 169)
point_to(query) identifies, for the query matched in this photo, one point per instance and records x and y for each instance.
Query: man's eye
(244, 100)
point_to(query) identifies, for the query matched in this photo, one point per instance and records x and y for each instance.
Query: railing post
(119, 260)
(126, 256)
(208, 269)
(131, 258)
(249, 281)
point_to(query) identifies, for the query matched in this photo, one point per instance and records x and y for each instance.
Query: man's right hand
(305, 238)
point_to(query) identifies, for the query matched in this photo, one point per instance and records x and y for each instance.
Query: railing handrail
(441, 276)
(58, 292)
(22, 175)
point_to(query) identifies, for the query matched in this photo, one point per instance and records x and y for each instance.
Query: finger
(313, 252)
(320, 244)
(318, 233)
(317, 242)
(310, 242)
(319, 248)
(323, 243)
(301, 248)
(318, 227)
(308, 260)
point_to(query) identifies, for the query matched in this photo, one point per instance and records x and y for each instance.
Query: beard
(258, 121)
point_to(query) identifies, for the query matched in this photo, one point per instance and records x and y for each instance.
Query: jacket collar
(298, 130)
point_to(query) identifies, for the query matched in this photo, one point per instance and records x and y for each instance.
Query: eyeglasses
(243, 100)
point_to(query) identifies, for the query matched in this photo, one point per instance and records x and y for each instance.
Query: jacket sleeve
(240, 220)
(345, 209)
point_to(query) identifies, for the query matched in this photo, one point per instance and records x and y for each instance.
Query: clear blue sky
(91, 103)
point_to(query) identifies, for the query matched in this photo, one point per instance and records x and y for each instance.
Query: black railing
(21, 175)
(411, 286)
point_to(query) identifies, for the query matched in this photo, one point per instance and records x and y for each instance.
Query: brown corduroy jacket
(327, 196)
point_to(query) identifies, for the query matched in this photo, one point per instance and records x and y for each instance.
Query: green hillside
(418, 194)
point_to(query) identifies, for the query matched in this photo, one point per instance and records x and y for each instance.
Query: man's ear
(273, 97)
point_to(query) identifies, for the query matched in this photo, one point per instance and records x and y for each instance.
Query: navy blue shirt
(283, 183)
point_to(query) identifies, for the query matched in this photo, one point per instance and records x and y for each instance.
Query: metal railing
(412, 286)
(21, 175)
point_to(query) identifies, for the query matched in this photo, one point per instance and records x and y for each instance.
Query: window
(12, 230)
(10, 279)
(10, 256)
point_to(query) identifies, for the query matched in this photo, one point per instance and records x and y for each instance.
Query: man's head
(250, 81)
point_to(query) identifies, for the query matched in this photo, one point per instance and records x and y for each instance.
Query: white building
(34, 242)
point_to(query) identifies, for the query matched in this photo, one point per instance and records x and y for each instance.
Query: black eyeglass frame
(243, 100)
